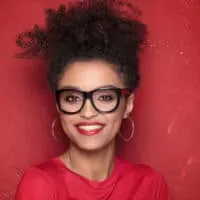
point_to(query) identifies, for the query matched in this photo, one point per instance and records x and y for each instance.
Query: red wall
(167, 103)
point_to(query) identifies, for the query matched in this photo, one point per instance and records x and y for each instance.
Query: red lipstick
(89, 128)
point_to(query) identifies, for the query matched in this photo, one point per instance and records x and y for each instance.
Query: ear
(57, 108)
(129, 106)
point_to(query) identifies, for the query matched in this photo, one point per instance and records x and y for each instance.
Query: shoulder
(145, 177)
(141, 172)
(34, 185)
(44, 171)
(37, 182)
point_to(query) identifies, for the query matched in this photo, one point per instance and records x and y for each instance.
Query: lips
(89, 128)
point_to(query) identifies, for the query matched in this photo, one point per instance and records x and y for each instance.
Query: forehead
(88, 75)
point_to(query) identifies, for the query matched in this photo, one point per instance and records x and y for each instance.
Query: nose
(88, 111)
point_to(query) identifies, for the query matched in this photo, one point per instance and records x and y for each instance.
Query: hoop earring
(132, 131)
(53, 129)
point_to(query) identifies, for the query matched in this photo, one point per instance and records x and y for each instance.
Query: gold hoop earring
(53, 129)
(132, 131)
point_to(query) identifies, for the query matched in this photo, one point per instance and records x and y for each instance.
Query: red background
(167, 104)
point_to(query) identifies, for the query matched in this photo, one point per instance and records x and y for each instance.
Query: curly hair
(87, 30)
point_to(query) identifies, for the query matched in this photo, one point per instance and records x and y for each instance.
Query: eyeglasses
(103, 100)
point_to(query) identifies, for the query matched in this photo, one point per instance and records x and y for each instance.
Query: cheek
(114, 120)
(66, 123)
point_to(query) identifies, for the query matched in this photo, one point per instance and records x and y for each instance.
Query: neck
(96, 165)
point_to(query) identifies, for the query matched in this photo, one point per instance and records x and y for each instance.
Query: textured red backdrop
(167, 104)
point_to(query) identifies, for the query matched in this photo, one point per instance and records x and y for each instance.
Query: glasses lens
(70, 100)
(105, 100)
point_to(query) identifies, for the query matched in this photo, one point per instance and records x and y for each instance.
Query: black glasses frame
(88, 95)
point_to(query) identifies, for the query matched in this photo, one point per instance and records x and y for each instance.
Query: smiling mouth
(89, 129)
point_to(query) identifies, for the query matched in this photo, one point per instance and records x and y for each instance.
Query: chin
(93, 147)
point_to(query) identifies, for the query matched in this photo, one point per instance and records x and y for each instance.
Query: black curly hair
(90, 29)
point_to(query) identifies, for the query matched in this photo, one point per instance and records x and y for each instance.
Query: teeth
(90, 127)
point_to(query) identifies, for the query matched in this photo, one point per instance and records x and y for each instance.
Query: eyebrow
(80, 89)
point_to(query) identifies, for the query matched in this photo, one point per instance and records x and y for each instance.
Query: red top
(53, 181)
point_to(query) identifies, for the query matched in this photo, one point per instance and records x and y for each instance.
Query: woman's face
(89, 129)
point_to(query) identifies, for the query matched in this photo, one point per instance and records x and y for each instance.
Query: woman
(92, 53)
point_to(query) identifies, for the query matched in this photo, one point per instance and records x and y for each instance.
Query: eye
(72, 99)
(106, 98)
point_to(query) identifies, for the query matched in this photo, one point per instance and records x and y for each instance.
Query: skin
(92, 156)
